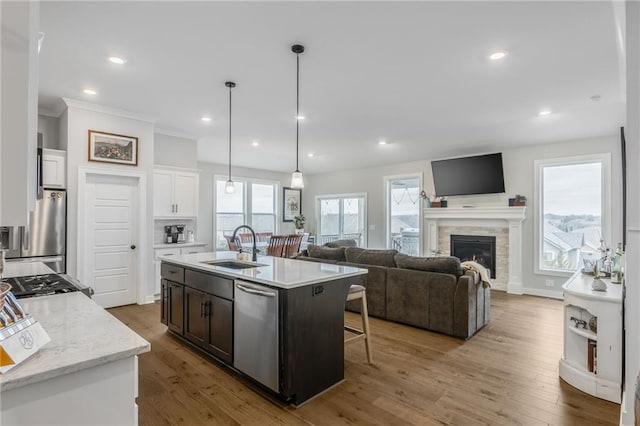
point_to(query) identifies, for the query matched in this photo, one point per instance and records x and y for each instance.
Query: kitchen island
(87, 374)
(278, 321)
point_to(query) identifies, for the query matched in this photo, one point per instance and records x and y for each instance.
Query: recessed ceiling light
(545, 112)
(498, 54)
(90, 92)
(116, 60)
(382, 143)
(301, 117)
(255, 143)
(310, 154)
(594, 98)
(206, 119)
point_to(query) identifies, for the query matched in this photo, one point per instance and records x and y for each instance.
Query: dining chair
(276, 245)
(245, 238)
(233, 245)
(292, 245)
(263, 237)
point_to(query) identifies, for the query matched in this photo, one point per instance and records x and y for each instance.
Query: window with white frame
(341, 217)
(573, 213)
(403, 213)
(253, 203)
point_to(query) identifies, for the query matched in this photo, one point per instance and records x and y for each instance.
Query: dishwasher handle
(255, 291)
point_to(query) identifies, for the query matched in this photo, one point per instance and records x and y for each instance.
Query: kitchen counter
(87, 374)
(178, 245)
(83, 335)
(274, 271)
(22, 269)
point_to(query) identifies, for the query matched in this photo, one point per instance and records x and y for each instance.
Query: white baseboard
(151, 299)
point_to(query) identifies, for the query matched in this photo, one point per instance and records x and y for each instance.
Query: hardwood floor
(507, 374)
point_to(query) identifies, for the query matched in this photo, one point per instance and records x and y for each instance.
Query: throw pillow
(328, 253)
(371, 256)
(443, 264)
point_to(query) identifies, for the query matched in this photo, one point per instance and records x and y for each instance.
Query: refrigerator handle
(24, 238)
(39, 172)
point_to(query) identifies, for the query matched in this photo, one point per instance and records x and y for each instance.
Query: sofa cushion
(443, 264)
(371, 256)
(341, 243)
(328, 253)
(375, 281)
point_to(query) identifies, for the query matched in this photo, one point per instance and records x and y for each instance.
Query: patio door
(403, 213)
(342, 217)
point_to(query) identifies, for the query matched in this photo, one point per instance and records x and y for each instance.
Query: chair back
(233, 246)
(276, 245)
(245, 238)
(292, 246)
(263, 237)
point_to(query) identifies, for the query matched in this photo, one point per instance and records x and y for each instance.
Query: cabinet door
(186, 194)
(220, 336)
(195, 326)
(176, 307)
(164, 302)
(53, 169)
(163, 204)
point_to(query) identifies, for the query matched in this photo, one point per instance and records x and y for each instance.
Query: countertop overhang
(277, 271)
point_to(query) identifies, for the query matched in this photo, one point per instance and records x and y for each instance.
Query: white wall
(175, 151)
(206, 215)
(50, 129)
(632, 272)
(519, 179)
(75, 123)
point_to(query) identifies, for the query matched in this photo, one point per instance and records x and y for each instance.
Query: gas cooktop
(43, 285)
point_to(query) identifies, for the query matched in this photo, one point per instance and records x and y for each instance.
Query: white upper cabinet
(54, 168)
(175, 193)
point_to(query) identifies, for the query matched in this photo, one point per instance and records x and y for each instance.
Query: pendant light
(296, 177)
(229, 188)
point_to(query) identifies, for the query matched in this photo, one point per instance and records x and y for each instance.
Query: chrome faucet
(255, 248)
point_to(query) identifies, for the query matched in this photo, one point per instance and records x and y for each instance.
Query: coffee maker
(180, 237)
(168, 234)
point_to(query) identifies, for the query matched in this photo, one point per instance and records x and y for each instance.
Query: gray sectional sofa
(433, 293)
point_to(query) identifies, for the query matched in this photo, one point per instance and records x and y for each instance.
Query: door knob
(133, 246)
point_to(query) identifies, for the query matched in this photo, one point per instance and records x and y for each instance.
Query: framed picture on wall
(291, 203)
(112, 148)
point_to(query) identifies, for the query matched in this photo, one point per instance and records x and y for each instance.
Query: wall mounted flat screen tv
(481, 174)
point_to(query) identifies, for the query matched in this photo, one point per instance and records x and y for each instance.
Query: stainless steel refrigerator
(44, 239)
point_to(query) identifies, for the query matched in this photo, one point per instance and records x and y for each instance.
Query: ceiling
(415, 74)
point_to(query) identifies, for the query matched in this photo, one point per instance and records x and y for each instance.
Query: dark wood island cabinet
(198, 306)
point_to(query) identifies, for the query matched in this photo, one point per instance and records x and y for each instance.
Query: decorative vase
(299, 230)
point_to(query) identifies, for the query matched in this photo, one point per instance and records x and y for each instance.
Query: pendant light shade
(296, 178)
(230, 188)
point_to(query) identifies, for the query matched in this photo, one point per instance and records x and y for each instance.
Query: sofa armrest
(465, 304)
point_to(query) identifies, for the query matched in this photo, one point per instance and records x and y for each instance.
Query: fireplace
(479, 249)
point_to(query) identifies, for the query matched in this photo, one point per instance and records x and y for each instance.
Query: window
(573, 211)
(403, 213)
(253, 203)
(341, 217)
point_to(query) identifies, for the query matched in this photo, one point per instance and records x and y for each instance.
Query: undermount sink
(233, 264)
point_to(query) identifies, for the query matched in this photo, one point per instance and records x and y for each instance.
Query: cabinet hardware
(202, 309)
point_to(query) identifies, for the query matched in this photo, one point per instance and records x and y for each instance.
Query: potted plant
(298, 222)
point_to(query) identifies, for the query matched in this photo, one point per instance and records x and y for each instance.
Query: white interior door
(110, 230)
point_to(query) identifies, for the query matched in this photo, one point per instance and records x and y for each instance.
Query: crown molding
(72, 103)
(174, 133)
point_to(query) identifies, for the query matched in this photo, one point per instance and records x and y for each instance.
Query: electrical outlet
(550, 283)
(317, 290)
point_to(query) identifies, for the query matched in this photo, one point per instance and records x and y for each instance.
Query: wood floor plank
(507, 374)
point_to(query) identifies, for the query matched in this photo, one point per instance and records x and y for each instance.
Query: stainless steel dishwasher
(255, 337)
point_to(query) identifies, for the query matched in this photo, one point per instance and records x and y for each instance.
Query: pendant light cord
(297, 107)
(230, 87)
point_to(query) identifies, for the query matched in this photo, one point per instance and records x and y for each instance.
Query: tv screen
(481, 174)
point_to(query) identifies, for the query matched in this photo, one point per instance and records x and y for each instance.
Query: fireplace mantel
(507, 217)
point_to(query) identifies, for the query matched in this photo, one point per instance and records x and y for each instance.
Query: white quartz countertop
(274, 271)
(23, 269)
(83, 335)
(580, 285)
(178, 245)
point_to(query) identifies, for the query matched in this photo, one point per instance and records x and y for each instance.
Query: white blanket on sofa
(475, 266)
